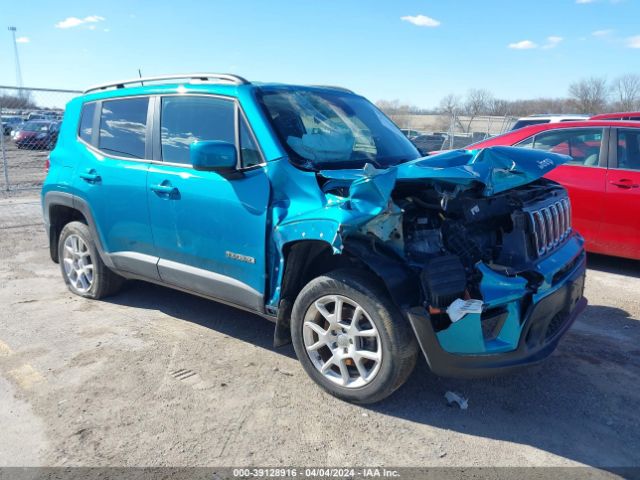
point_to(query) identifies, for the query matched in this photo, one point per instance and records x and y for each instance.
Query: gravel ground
(93, 383)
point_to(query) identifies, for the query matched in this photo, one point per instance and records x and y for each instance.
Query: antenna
(140, 75)
(17, 60)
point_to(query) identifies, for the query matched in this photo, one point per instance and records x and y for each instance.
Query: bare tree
(22, 100)
(499, 107)
(476, 103)
(627, 92)
(589, 95)
(450, 104)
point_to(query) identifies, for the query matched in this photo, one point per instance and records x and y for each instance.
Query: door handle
(165, 189)
(624, 183)
(90, 176)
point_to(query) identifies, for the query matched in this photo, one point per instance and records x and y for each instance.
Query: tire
(77, 252)
(393, 342)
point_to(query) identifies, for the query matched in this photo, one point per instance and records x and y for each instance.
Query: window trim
(238, 113)
(604, 144)
(95, 136)
(93, 122)
(613, 149)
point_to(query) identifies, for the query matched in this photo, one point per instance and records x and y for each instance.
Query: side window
(528, 143)
(184, 120)
(123, 127)
(249, 150)
(86, 121)
(629, 149)
(582, 145)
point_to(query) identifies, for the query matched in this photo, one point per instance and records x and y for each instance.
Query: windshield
(332, 129)
(35, 127)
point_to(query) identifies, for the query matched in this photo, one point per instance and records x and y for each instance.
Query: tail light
(47, 164)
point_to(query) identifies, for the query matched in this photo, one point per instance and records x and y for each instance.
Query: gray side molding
(210, 284)
(136, 263)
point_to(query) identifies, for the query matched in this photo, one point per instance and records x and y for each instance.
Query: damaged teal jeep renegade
(306, 205)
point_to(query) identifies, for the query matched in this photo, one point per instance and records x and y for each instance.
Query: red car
(603, 179)
(617, 116)
(38, 134)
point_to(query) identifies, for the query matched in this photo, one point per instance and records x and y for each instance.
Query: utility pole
(17, 60)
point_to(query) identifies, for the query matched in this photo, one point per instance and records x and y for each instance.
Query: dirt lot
(93, 383)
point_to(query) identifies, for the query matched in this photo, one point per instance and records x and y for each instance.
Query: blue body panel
(239, 228)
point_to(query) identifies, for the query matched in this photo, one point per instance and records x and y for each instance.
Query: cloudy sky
(413, 50)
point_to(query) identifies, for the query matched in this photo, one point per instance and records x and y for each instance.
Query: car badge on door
(238, 256)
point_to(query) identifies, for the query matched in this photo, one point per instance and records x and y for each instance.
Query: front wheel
(350, 338)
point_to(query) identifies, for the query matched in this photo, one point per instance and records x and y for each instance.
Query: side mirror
(213, 156)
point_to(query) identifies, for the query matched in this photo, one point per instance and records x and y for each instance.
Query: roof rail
(223, 77)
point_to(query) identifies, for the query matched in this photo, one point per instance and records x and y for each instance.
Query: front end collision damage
(393, 221)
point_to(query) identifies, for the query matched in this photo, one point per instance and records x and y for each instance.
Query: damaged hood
(496, 168)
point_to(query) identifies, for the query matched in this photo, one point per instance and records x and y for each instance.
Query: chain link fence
(450, 131)
(30, 122)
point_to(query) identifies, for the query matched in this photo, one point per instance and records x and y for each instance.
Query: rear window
(123, 127)
(86, 121)
(527, 123)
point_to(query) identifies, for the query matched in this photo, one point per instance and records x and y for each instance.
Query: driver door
(209, 230)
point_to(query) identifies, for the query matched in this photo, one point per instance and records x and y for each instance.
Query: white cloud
(552, 42)
(633, 42)
(23, 40)
(602, 33)
(523, 45)
(71, 22)
(581, 2)
(421, 20)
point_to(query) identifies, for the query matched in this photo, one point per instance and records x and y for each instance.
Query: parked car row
(31, 134)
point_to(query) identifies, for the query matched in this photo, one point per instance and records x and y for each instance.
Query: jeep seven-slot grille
(550, 225)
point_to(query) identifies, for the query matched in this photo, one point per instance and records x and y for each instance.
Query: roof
(615, 115)
(555, 115)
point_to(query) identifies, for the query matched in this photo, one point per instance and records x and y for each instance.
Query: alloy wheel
(77, 262)
(342, 341)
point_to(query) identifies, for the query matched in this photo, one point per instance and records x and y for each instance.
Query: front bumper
(542, 324)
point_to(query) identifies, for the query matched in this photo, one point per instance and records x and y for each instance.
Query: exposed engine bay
(496, 230)
(447, 236)
(442, 233)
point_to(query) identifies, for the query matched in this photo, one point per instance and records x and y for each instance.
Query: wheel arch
(307, 259)
(59, 209)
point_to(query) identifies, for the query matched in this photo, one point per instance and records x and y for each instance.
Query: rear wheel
(350, 338)
(82, 268)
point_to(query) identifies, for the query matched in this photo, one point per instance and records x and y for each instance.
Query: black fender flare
(79, 204)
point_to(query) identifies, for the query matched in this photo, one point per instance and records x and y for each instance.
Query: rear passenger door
(209, 230)
(111, 178)
(584, 176)
(621, 223)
